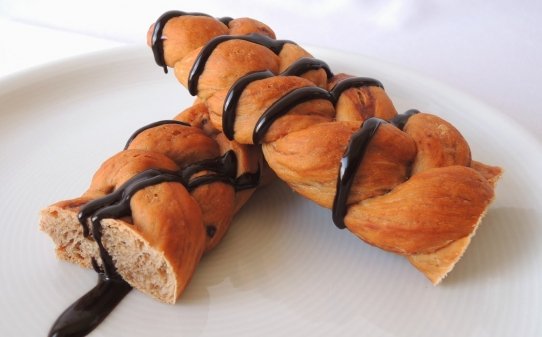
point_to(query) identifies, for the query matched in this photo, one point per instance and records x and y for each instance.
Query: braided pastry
(405, 183)
(154, 208)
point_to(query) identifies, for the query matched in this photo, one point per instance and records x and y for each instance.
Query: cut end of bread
(139, 264)
(142, 266)
(60, 222)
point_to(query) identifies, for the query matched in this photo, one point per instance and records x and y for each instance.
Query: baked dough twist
(414, 190)
(156, 243)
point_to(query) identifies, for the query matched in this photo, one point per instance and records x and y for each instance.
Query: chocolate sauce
(349, 165)
(352, 158)
(225, 20)
(199, 64)
(226, 171)
(283, 105)
(224, 166)
(157, 42)
(150, 126)
(247, 180)
(400, 120)
(211, 230)
(232, 99)
(306, 64)
(354, 82)
(85, 314)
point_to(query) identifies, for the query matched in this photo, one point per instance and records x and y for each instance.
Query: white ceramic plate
(284, 269)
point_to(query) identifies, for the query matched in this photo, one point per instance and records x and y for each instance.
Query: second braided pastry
(405, 183)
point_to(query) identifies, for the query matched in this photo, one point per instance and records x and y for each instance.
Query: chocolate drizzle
(306, 64)
(400, 120)
(225, 20)
(225, 170)
(157, 43)
(354, 82)
(283, 105)
(211, 230)
(349, 165)
(352, 158)
(199, 64)
(232, 99)
(297, 96)
(85, 314)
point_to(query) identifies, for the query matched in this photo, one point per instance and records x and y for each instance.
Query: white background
(488, 49)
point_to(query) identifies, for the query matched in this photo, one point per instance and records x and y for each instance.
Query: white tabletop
(490, 50)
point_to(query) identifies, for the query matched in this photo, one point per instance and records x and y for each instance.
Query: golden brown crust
(359, 104)
(198, 116)
(439, 143)
(491, 173)
(425, 213)
(184, 145)
(245, 26)
(124, 165)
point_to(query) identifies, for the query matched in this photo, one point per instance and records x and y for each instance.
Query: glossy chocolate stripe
(85, 314)
(247, 180)
(199, 63)
(225, 164)
(349, 165)
(157, 43)
(354, 82)
(232, 100)
(282, 106)
(400, 120)
(306, 64)
(225, 20)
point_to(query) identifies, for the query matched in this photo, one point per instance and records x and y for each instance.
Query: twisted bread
(404, 183)
(154, 208)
